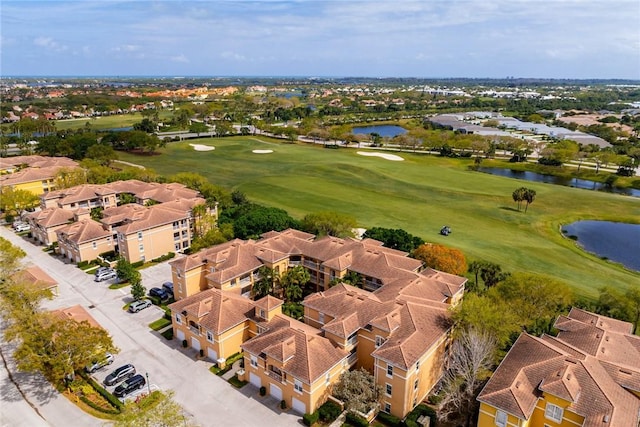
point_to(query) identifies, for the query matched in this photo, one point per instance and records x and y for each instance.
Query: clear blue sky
(391, 38)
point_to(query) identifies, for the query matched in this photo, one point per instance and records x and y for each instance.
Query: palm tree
(518, 196)
(266, 283)
(529, 197)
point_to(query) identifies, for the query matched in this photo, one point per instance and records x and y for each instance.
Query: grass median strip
(159, 324)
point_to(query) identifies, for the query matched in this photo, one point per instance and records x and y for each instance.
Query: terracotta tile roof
(593, 385)
(79, 193)
(428, 284)
(415, 327)
(306, 354)
(151, 217)
(35, 276)
(120, 214)
(51, 217)
(83, 231)
(35, 162)
(77, 313)
(28, 175)
(216, 310)
(268, 303)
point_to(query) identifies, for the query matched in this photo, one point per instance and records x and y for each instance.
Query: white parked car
(105, 275)
(22, 227)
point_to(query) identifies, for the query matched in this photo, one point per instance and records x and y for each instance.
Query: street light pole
(148, 385)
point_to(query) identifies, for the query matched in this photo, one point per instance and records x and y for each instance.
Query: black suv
(159, 293)
(119, 374)
(134, 383)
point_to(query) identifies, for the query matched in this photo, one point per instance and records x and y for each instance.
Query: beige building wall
(311, 395)
(148, 244)
(87, 251)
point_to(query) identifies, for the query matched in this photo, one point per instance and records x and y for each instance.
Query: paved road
(207, 398)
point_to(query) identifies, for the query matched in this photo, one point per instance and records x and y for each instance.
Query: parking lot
(205, 397)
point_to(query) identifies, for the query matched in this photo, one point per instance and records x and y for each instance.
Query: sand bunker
(383, 155)
(200, 147)
(262, 151)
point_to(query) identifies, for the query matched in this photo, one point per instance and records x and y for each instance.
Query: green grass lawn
(420, 195)
(105, 122)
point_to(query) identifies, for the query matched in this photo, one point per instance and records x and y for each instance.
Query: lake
(617, 241)
(559, 180)
(388, 131)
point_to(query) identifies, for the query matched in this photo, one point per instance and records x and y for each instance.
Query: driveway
(205, 397)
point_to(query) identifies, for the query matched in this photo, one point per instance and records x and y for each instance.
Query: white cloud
(49, 43)
(180, 58)
(233, 55)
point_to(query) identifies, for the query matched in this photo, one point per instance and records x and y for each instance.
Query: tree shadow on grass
(507, 208)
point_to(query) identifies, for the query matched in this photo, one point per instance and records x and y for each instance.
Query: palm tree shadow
(507, 208)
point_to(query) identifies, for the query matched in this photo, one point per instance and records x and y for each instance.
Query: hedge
(310, 419)
(98, 407)
(356, 420)
(389, 420)
(102, 392)
(137, 264)
(422, 409)
(329, 411)
(164, 257)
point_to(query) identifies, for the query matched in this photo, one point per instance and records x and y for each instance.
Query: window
(95, 245)
(139, 235)
(176, 236)
(388, 389)
(415, 384)
(387, 407)
(418, 365)
(297, 386)
(209, 336)
(328, 378)
(263, 314)
(389, 370)
(321, 318)
(501, 418)
(178, 319)
(553, 412)
(176, 247)
(254, 361)
(141, 247)
(379, 341)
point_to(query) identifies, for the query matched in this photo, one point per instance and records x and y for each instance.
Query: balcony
(294, 263)
(352, 359)
(194, 328)
(245, 281)
(311, 264)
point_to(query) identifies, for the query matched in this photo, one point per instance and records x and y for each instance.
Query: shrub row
(137, 264)
(102, 392)
(389, 420)
(164, 257)
(310, 419)
(329, 411)
(422, 409)
(356, 420)
(98, 407)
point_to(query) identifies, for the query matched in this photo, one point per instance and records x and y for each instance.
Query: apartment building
(589, 375)
(45, 222)
(234, 265)
(35, 174)
(396, 324)
(137, 233)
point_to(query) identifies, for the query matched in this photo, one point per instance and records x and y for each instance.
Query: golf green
(420, 194)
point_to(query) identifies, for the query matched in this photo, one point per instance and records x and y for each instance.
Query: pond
(617, 241)
(383, 130)
(559, 180)
(123, 129)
